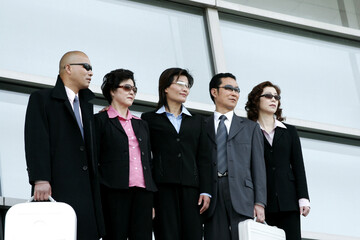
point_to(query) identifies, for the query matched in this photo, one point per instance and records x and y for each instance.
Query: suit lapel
(236, 126)
(135, 125)
(278, 133)
(115, 121)
(211, 128)
(168, 124)
(60, 93)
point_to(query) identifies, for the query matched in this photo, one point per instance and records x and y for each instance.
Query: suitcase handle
(50, 199)
(263, 222)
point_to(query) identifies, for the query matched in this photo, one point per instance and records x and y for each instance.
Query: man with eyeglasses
(239, 192)
(60, 145)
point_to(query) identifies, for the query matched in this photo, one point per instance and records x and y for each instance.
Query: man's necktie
(221, 138)
(77, 115)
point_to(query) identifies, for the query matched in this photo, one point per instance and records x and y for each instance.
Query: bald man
(60, 145)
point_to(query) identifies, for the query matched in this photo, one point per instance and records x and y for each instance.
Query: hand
(104, 109)
(304, 210)
(42, 191)
(153, 213)
(205, 200)
(259, 213)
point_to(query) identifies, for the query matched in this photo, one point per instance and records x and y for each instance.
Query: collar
(70, 94)
(183, 111)
(228, 115)
(112, 113)
(276, 124)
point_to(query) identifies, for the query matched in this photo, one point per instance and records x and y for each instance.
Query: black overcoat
(56, 152)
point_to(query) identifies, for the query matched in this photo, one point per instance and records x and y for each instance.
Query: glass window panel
(318, 76)
(13, 174)
(332, 172)
(338, 12)
(145, 38)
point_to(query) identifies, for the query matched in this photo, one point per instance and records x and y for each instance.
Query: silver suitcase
(41, 221)
(252, 230)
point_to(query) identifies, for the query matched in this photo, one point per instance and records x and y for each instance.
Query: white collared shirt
(71, 96)
(227, 122)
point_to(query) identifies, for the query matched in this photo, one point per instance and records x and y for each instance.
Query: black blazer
(56, 152)
(180, 158)
(114, 151)
(286, 180)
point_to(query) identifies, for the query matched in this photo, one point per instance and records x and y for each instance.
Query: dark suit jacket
(56, 152)
(114, 151)
(246, 166)
(286, 180)
(180, 158)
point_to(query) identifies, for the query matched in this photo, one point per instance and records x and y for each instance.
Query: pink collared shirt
(136, 175)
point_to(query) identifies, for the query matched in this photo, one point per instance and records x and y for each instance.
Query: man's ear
(214, 92)
(67, 68)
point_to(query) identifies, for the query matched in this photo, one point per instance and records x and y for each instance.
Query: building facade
(310, 48)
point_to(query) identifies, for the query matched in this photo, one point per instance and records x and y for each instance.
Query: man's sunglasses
(231, 88)
(87, 66)
(128, 88)
(270, 96)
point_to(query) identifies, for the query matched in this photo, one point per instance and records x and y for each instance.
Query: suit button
(179, 155)
(82, 148)
(274, 168)
(139, 139)
(85, 168)
(271, 150)
(178, 139)
(142, 153)
(144, 168)
(214, 163)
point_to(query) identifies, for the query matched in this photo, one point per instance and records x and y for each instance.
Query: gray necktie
(221, 138)
(77, 115)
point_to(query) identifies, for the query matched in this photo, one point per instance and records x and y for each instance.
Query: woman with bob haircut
(182, 163)
(287, 193)
(124, 157)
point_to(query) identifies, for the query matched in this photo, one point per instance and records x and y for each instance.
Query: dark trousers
(127, 213)
(223, 224)
(177, 214)
(289, 221)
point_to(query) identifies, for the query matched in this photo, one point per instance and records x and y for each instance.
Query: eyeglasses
(128, 88)
(182, 84)
(231, 88)
(270, 96)
(87, 66)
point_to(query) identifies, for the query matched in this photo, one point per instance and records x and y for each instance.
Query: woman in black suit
(126, 180)
(182, 164)
(287, 193)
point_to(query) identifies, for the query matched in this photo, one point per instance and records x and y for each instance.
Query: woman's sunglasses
(270, 96)
(128, 88)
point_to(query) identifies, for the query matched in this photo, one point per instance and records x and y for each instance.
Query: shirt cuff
(206, 194)
(260, 204)
(41, 181)
(303, 202)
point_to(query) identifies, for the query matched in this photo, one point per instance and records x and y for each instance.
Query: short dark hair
(253, 103)
(216, 81)
(167, 77)
(112, 80)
